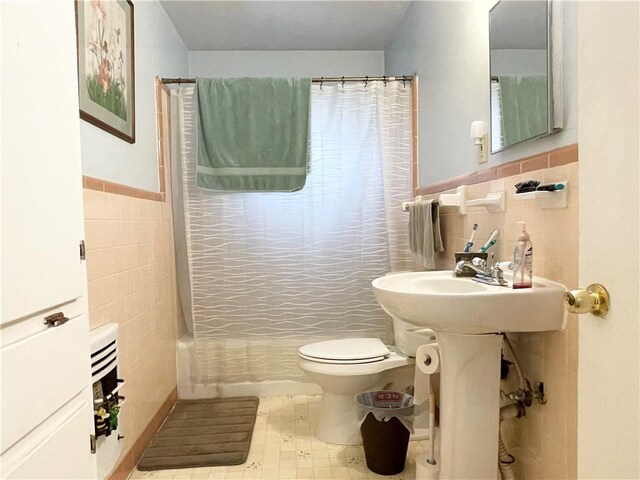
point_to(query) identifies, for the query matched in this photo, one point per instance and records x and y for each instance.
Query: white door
(45, 399)
(609, 127)
(41, 171)
(56, 449)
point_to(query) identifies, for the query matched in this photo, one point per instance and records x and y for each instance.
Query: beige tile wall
(544, 442)
(131, 278)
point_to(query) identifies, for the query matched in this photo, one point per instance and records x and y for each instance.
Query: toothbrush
(470, 242)
(491, 242)
(551, 187)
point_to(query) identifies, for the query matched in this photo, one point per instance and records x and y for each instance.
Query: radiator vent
(104, 350)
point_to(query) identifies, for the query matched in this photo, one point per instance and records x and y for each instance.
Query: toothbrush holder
(468, 256)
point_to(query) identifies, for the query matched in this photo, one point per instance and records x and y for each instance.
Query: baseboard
(129, 460)
(258, 389)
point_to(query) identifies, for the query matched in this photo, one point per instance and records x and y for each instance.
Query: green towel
(253, 133)
(524, 107)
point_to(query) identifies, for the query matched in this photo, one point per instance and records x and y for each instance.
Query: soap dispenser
(523, 259)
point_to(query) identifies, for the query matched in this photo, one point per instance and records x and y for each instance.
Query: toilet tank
(408, 337)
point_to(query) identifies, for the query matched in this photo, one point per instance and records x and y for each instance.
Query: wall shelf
(494, 202)
(555, 199)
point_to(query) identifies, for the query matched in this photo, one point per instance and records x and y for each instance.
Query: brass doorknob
(594, 299)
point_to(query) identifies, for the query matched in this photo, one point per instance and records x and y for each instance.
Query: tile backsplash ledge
(552, 158)
(98, 185)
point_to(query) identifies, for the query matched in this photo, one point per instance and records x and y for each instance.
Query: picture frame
(106, 65)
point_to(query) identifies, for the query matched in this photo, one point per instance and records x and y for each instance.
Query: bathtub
(190, 388)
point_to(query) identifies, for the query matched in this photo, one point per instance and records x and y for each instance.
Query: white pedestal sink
(466, 316)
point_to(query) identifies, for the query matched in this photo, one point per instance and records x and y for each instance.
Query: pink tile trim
(487, 175)
(552, 158)
(509, 169)
(414, 134)
(535, 163)
(564, 155)
(91, 183)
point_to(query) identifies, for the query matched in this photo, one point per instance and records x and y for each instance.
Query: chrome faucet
(491, 275)
(476, 264)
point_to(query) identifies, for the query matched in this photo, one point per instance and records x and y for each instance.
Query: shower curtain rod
(321, 80)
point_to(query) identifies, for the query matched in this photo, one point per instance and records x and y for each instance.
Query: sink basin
(446, 303)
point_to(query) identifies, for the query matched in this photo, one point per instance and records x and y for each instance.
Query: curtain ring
(321, 82)
(342, 82)
(404, 81)
(366, 81)
(384, 79)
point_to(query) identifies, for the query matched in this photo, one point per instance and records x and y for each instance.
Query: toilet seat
(345, 351)
(341, 362)
(394, 360)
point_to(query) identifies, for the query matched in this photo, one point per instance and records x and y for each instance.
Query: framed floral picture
(106, 79)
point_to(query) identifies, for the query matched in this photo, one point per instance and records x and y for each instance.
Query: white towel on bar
(425, 239)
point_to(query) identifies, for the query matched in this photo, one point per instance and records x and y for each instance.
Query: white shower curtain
(263, 273)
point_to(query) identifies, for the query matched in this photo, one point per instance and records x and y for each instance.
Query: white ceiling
(286, 25)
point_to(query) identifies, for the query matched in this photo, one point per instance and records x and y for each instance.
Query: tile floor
(284, 447)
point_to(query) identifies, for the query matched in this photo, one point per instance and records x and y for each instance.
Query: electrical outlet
(483, 154)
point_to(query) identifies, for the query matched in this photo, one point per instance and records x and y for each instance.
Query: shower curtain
(261, 274)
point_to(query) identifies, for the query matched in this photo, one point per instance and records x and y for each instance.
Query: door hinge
(92, 442)
(83, 250)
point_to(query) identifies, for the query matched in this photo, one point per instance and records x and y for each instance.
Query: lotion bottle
(523, 259)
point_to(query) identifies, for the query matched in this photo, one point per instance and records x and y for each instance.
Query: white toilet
(344, 368)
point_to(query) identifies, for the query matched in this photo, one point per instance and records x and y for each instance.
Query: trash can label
(388, 396)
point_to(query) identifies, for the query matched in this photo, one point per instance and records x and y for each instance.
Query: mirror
(520, 66)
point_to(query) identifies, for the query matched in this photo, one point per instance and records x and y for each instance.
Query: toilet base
(338, 422)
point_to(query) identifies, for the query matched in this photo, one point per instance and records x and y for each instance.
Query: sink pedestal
(470, 405)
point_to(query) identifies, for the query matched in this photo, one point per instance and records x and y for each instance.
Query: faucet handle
(506, 265)
(479, 262)
(498, 268)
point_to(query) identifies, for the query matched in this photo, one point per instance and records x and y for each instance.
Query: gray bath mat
(203, 433)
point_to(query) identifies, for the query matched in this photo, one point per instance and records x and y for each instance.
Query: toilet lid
(354, 349)
(342, 362)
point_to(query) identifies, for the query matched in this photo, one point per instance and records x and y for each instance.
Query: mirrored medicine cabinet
(525, 94)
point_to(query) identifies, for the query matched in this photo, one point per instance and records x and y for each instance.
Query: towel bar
(457, 199)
